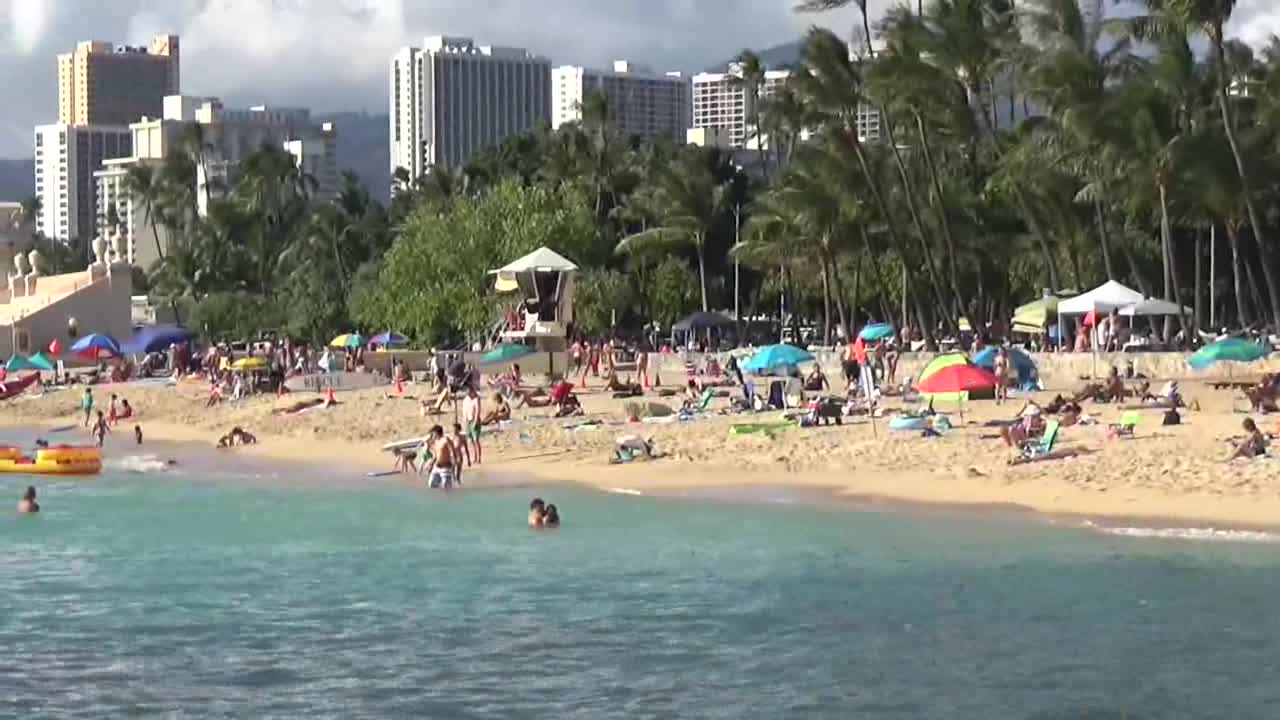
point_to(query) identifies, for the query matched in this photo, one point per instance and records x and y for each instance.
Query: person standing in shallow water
(86, 405)
(28, 502)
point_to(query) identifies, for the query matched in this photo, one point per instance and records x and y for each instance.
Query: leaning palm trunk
(826, 299)
(1237, 284)
(702, 270)
(940, 204)
(1104, 240)
(908, 189)
(1228, 123)
(894, 238)
(837, 290)
(1171, 288)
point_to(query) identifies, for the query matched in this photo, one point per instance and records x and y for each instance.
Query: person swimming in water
(537, 512)
(28, 502)
(551, 517)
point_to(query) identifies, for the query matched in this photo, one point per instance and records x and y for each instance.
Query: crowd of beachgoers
(1124, 444)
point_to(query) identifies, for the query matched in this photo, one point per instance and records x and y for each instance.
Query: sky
(333, 54)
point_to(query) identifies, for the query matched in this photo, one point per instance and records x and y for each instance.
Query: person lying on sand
(501, 411)
(1254, 443)
(1263, 396)
(298, 407)
(632, 447)
(237, 435)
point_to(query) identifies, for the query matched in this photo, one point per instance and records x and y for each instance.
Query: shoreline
(1167, 479)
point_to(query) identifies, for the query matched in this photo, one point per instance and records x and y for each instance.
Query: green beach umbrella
(505, 353)
(1228, 350)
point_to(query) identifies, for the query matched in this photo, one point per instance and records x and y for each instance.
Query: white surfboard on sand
(404, 444)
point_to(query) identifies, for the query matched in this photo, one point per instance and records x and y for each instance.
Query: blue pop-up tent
(1023, 366)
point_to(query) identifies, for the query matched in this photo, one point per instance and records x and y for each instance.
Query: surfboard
(336, 381)
(384, 473)
(404, 444)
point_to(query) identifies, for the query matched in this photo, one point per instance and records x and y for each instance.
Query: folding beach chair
(1128, 423)
(1044, 446)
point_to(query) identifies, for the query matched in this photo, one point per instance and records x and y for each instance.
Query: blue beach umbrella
(388, 339)
(773, 358)
(876, 331)
(96, 345)
(155, 339)
(1228, 350)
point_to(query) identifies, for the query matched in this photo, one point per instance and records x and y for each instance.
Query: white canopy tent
(1109, 296)
(1152, 307)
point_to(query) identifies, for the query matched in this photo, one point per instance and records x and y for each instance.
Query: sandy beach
(1176, 473)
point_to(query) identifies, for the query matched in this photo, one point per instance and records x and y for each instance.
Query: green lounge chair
(1128, 423)
(1042, 448)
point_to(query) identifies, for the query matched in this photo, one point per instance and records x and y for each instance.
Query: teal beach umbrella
(18, 362)
(774, 358)
(505, 353)
(1228, 350)
(39, 361)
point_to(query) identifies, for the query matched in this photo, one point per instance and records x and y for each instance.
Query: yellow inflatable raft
(53, 460)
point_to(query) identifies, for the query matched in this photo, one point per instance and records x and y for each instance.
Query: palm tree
(1210, 18)
(145, 186)
(688, 200)
(751, 75)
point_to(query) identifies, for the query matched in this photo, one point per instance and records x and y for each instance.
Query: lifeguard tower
(542, 311)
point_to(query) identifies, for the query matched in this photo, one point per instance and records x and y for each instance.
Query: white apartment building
(452, 98)
(228, 136)
(66, 157)
(641, 103)
(721, 101)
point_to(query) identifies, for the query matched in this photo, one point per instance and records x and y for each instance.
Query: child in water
(101, 428)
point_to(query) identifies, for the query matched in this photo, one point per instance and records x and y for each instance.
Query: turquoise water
(167, 595)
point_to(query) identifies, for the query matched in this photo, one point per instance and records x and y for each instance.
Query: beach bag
(1171, 417)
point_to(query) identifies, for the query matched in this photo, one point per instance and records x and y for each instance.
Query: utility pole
(737, 239)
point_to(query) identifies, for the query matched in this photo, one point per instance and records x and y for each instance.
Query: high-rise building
(640, 103)
(721, 101)
(102, 84)
(226, 137)
(66, 157)
(452, 98)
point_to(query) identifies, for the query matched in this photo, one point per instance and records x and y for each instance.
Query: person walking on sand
(101, 428)
(1002, 375)
(471, 423)
(441, 467)
(642, 367)
(86, 405)
(113, 409)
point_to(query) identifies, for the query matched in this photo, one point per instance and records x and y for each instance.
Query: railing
(28, 310)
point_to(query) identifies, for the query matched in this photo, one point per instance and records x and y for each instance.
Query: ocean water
(166, 594)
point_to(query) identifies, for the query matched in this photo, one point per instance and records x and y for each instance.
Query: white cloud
(27, 20)
(1255, 21)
